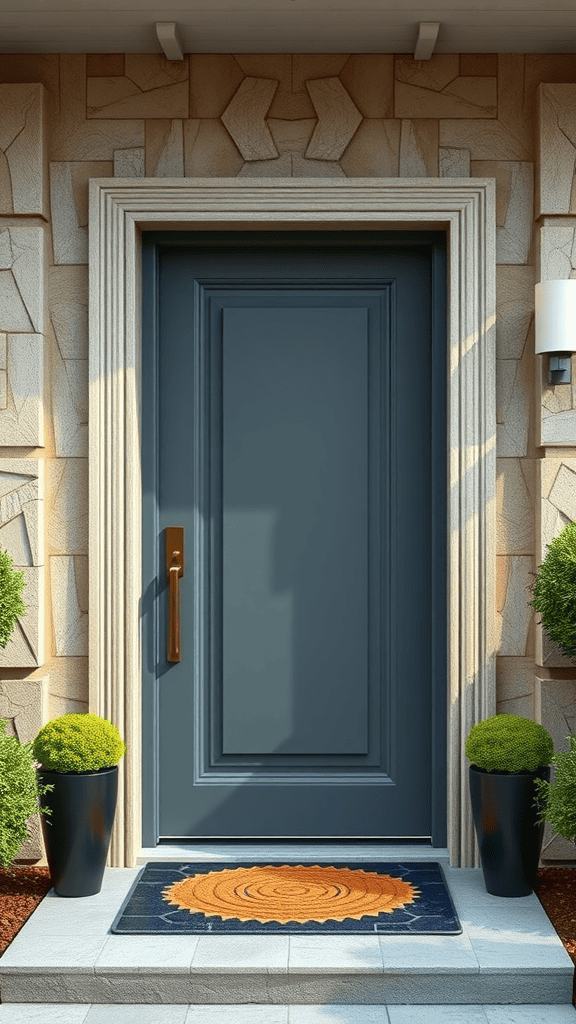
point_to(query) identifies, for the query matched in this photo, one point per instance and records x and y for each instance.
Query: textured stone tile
(209, 152)
(22, 279)
(334, 954)
(513, 613)
(74, 138)
(68, 681)
(68, 506)
(483, 64)
(32, 67)
(69, 405)
(515, 104)
(279, 168)
(245, 115)
(338, 119)
(164, 149)
(513, 398)
(94, 140)
(303, 168)
(445, 1014)
(418, 954)
(151, 86)
(534, 1014)
(23, 149)
(3, 390)
(374, 150)
(214, 78)
(515, 496)
(22, 503)
(291, 136)
(558, 428)
(241, 954)
(138, 1014)
(337, 1015)
(3, 351)
(23, 702)
(435, 89)
(130, 163)
(514, 201)
(241, 1014)
(556, 149)
(419, 149)
(453, 162)
(68, 306)
(514, 309)
(514, 679)
(46, 1013)
(104, 64)
(139, 953)
(69, 206)
(69, 604)
(557, 252)
(22, 419)
(307, 66)
(486, 140)
(369, 81)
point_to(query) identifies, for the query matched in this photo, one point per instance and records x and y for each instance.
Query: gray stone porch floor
(507, 966)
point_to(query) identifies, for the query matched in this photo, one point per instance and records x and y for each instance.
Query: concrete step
(508, 953)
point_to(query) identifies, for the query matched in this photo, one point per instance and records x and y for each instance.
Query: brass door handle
(175, 571)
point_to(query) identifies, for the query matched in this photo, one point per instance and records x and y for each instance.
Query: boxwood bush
(554, 590)
(78, 743)
(509, 743)
(19, 793)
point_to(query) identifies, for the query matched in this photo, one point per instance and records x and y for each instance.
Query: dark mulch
(21, 890)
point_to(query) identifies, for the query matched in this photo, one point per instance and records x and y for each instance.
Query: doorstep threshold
(282, 850)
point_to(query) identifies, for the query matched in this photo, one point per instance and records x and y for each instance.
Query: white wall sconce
(555, 327)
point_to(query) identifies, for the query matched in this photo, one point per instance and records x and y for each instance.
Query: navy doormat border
(146, 912)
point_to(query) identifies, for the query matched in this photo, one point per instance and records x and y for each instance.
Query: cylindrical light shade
(555, 318)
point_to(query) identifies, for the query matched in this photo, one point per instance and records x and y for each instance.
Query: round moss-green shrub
(78, 743)
(554, 590)
(11, 603)
(509, 743)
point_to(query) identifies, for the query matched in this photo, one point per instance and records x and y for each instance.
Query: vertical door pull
(174, 571)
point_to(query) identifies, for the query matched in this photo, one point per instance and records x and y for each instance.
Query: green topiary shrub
(509, 743)
(557, 799)
(19, 793)
(78, 743)
(11, 603)
(555, 590)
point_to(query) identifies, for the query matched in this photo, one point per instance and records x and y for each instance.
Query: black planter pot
(509, 836)
(77, 833)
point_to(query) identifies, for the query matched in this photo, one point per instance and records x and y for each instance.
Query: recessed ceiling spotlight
(167, 32)
(427, 36)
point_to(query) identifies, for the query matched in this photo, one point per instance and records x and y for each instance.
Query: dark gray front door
(293, 424)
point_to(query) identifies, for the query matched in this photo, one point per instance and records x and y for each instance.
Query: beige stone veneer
(66, 119)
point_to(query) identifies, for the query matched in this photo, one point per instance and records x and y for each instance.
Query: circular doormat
(286, 893)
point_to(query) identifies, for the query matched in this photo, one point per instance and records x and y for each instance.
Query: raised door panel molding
(117, 212)
(22, 536)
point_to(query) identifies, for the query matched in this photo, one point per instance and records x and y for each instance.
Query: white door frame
(119, 210)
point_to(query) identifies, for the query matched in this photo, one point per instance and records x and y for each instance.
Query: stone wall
(67, 118)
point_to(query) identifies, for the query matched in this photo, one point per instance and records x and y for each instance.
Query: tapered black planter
(77, 833)
(506, 821)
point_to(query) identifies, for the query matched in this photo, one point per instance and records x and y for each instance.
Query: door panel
(294, 443)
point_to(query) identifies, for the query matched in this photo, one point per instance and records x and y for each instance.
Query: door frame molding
(119, 210)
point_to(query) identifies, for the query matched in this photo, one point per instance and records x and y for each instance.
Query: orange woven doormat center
(311, 898)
